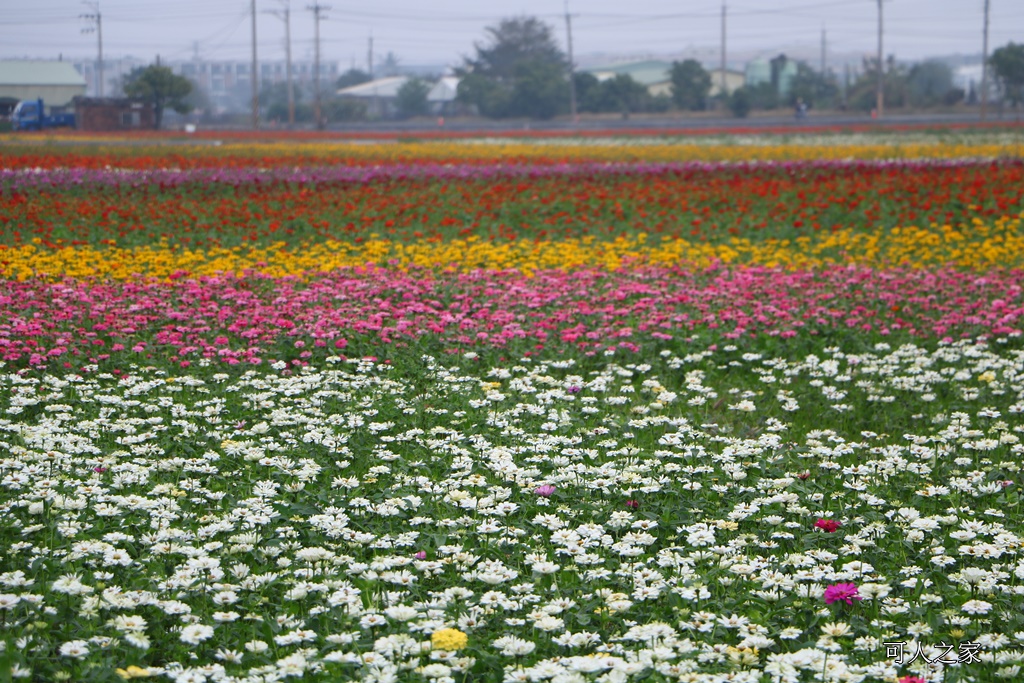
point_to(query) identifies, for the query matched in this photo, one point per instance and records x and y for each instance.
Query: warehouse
(57, 83)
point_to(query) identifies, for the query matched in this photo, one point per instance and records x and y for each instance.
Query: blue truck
(31, 115)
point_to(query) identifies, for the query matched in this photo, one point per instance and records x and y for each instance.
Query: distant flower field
(735, 409)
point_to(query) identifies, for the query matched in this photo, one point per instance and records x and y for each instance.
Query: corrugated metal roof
(444, 90)
(382, 87)
(17, 72)
(647, 73)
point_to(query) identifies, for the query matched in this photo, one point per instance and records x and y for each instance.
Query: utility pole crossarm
(317, 11)
(880, 88)
(725, 89)
(572, 66)
(285, 16)
(984, 65)
(254, 76)
(96, 18)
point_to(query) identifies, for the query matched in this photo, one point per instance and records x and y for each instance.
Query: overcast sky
(439, 32)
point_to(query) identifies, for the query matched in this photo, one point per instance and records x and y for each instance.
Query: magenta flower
(827, 525)
(842, 592)
(421, 555)
(544, 491)
(632, 504)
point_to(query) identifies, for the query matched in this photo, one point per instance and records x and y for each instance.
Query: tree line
(519, 71)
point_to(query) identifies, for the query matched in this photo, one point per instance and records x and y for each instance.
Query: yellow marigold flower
(449, 639)
(133, 672)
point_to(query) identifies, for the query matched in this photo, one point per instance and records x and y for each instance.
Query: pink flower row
(256, 318)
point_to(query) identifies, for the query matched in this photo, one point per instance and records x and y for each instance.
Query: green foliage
(1008, 64)
(813, 87)
(690, 85)
(274, 100)
(622, 93)
(540, 90)
(862, 93)
(352, 77)
(520, 71)
(161, 87)
(490, 97)
(337, 109)
(412, 98)
(763, 96)
(740, 102)
(930, 83)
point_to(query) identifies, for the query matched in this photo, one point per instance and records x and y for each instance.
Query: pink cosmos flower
(544, 491)
(912, 679)
(842, 592)
(421, 555)
(827, 525)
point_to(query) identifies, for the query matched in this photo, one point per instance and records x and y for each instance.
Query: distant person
(800, 110)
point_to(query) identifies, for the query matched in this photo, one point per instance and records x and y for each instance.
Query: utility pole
(317, 107)
(97, 19)
(880, 88)
(369, 56)
(254, 75)
(984, 67)
(285, 15)
(725, 89)
(824, 51)
(572, 67)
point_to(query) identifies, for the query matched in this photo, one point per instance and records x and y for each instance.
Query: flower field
(568, 410)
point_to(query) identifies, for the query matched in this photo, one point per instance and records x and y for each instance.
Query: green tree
(541, 89)
(813, 87)
(762, 96)
(1008, 66)
(624, 94)
(740, 102)
(929, 83)
(412, 98)
(352, 77)
(519, 71)
(894, 85)
(690, 84)
(588, 91)
(161, 87)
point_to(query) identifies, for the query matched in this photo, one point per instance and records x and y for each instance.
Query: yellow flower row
(978, 246)
(718, 149)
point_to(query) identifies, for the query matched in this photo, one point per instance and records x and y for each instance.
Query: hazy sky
(439, 32)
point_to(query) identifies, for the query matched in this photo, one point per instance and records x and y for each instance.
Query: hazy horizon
(442, 34)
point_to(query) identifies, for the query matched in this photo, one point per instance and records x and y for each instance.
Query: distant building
(112, 114)
(780, 71)
(379, 95)
(654, 75)
(57, 83)
(114, 72)
(225, 81)
(758, 71)
(442, 96)
(734, 80)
